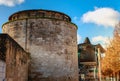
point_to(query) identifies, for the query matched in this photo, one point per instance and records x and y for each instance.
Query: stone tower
(51, 39)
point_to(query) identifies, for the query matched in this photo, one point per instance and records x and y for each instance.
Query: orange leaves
(111, 61)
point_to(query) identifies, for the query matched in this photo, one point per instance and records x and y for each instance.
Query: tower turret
(51, 39)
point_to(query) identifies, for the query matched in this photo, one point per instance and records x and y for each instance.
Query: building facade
(88, 60)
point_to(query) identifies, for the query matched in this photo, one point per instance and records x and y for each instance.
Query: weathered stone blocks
(52, 42)
(15, 58)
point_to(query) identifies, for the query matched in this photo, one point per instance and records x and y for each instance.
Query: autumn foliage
(111, 61)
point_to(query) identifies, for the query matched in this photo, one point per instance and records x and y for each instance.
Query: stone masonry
(15, 58)
(51, 39)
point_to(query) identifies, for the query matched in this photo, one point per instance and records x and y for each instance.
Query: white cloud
(107, 17)
(104, 41)
(10, 3)
(78, 38)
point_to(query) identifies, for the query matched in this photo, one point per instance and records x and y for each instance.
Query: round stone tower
(51, 39)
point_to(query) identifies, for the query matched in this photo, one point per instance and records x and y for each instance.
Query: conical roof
(87, 41)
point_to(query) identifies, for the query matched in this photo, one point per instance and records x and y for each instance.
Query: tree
(111, 62)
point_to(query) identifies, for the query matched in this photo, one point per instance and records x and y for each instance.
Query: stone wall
(52, 44)
(39, 14)
(15, 57)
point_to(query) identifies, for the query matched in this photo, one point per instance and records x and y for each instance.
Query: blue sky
(95, 18)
